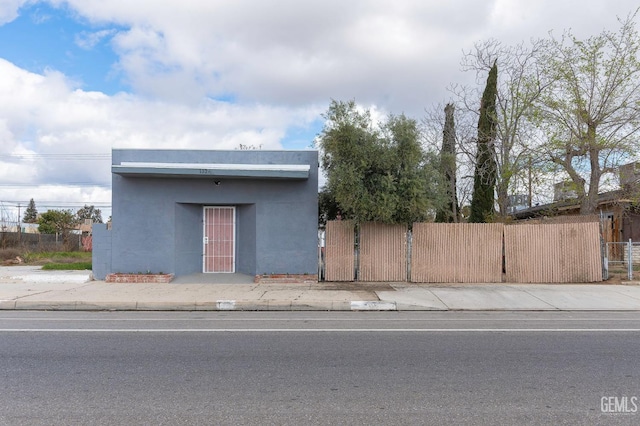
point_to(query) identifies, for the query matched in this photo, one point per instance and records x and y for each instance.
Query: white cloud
(88, 40)
(47, 123)
(402, 53)
(399, 54)
(280, 62)
(9, 10)
(288, 52)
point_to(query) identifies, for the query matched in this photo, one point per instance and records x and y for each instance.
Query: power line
(74, 157)
(37, 185)
(57, 203)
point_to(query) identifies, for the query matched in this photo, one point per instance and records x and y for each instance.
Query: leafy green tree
(450, 210)
(56, 221)
(590, 114)
(376, 172)
(89, 212)
(484, 179)
(31, 213)
(328, 208)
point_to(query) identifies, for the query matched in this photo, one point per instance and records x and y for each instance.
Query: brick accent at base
(286, 278)
(139, 278)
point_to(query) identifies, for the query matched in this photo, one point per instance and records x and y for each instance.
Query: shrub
(8, 253)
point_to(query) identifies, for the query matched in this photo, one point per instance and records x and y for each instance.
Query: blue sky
(44, 37)
(81, 77)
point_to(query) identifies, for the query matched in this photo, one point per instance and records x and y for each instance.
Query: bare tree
(590, 115)
(520, 83)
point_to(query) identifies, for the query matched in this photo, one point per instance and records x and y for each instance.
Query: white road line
(322, 330)
(346, 319)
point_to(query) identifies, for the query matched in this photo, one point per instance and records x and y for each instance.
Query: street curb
(7, 305)
(16, 305)
(220, 305)
(224, 305)
(409, 307)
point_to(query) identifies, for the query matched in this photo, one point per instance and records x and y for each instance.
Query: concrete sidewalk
(29, 288)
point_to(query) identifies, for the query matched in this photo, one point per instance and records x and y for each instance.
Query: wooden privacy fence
(339, 251)
(560, 253)
(383, 252)
(464, 253)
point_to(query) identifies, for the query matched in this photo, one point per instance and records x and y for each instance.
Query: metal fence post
(409, 240)
(630, 259)
(605, 261)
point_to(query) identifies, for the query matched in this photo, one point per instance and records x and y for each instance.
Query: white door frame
(209, 261)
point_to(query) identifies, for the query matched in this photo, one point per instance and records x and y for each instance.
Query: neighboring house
(85, 227)
(620, 208)
(184, 212)
(30, 228)
(25, 228)
(617, 209)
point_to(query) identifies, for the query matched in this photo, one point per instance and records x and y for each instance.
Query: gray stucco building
(183, 212)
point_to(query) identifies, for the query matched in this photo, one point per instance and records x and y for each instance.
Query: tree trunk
(502, 191)
(589, 204)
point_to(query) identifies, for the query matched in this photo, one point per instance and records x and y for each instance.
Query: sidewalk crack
(543, 301)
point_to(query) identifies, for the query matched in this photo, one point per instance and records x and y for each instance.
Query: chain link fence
(40, 242)
(621, 257)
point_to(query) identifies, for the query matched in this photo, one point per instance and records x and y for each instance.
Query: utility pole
(19, 225)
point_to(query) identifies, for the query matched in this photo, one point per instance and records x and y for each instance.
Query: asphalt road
(301, 368)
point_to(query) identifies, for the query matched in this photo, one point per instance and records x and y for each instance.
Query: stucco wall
(246, 239)
(188, 243)
(157, 222)
(101, 251)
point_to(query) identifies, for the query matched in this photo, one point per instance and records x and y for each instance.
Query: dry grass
(61, 260)
(9, 253)
(42, 258)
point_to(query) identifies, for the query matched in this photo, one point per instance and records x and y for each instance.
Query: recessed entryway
(219, 239)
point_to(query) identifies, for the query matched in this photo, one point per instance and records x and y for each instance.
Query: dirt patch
(621, 279)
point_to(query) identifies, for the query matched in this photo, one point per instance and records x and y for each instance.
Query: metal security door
(219, 239)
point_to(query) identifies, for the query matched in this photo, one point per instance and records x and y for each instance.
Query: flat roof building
(195, 211)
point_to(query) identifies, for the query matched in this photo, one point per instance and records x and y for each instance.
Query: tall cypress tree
(449, 212)
(484, 179)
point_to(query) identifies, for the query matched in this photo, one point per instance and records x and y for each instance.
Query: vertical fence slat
(553, 253)
(383, 252)
(339, 251)
(456, 252)
(465, 253)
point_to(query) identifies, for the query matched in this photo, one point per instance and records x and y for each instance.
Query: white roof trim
(218, 166)
(204, 170)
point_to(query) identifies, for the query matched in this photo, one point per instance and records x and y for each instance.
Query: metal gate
(383, 252)
(219, 239)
